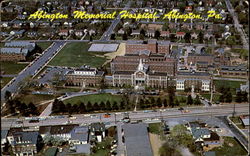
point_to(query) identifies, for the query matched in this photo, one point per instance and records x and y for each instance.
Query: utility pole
(211, 97)
(115, 118)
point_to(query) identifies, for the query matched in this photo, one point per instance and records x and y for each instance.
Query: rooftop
(137, 139)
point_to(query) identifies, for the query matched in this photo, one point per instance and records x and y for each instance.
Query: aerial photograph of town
(124, 77)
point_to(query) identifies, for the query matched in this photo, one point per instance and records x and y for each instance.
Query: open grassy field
(230, 147)
(215, 97)
(232, 84)
(5, 80)
(12, 67)
(155, 128)
(43, 45)
(36, 99)
(76, 55)
(95, 98)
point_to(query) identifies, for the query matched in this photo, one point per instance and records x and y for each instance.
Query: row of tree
(16, 106)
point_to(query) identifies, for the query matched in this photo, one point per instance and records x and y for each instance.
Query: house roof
(4, 134)
(137, 139)
(56, 129)
(97, 127)
(213, 137)
(25, 138)
(180, 33)
(80, 133)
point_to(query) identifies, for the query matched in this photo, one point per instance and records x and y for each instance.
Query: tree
(159, 102)
(108, 106)
(171, 101)
(189, 100)
(89, 106)
(176, 102)
(102, 105)
(142, 32)
(231, 40)
(61, 107)
(229, 97)
(122, 105)
(187, 37)
(142, 103)
(221, 98)
(244, 97)
(125, 36)
(238, 97)
(201, 37)
(165, 103)
(7, 95)
(197, 100)
(82, 108)
(157, 34)
(32, 108)
(23, 109)
(112, 37)
(69, 108)
(115, 106)
(152, 101)
(95, 106)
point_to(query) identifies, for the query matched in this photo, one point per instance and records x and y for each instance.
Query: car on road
(181, 109)
(34, 121)
(107, 115)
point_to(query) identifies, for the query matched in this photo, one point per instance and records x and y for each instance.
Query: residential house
(172, 25)
(63, 32)
(135, 33)
(62, 131)
(186, 26)
(245, 120)
(165, 34)
(92, 32)
(78, 33)
(25, 143)
(4, 140)
(150, 33)
(79, 135)
(180, 35)
(208, 36)
(96, 132)
(188, 8)
(32, 34)
(194, 36)
(199, 26)
(121, 32)
(136, 139)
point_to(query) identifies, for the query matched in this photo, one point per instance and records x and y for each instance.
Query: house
(62, 131)
(180, 35)
(63, 32)
(186, 26)
(199, 26)
(135, 33)
(245, 120)
(96, 132)
(172, 25)
(32, 34)
(78, 33)
(25, 143)
(17, 33)
(136, 139)
(150, 33)
(4, 140)
(79, 135)
(194, 36)
(245, 88)
(121, 32)
(188, 8)
(92, 32)
(165, 33)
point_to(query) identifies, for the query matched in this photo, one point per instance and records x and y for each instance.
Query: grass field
(155, 128)
(12, 67)
(36, 99)
(95, 98)
(232, 84)
(76, 55)
(43, 45)
(5, 80)
(230, 147)
(215, 97)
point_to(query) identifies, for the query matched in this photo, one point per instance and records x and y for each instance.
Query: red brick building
(159, 47)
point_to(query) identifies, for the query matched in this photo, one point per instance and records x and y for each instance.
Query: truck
(126, 118)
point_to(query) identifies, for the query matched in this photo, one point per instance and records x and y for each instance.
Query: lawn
(62, 89)
(232, 84)
(12, 67)
(230, 147)
(102, 148)
(5, 80)
(155, 128)
(215, 97)
(95, 98)
(36, 99)
(43, 45)
(76, 55)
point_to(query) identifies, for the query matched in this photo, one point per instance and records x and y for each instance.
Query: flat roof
(103, 47)
(137, 140)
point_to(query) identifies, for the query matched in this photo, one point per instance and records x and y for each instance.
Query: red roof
(180, 33)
